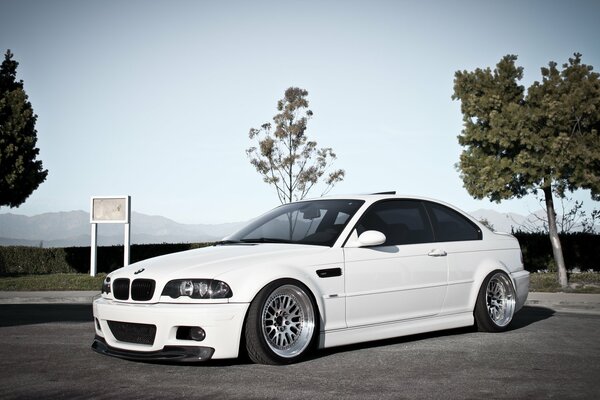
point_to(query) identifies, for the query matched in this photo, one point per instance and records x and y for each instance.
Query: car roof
(377, 196)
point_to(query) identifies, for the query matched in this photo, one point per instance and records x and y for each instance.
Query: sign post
(110, 210)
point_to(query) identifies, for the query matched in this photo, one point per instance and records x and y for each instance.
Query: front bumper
(222, 323)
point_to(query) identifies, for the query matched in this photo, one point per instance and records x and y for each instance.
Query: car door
(462, 241)
(405, 277)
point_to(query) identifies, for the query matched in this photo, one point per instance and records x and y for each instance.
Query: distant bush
(578, 251)
(15, 260)
(34, 260)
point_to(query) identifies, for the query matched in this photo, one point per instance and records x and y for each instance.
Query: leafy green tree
(20, 172)
(518, 142)
(285, 157)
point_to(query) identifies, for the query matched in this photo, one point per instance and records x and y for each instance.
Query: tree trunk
(554, 239)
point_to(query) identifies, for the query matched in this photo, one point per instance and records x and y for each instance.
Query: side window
(401, 221)
(451, 226)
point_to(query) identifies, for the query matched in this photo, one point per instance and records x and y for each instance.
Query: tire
(495, 306)
(281, 324)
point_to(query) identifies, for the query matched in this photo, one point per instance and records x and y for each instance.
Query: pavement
(560, 302)
(45, 297)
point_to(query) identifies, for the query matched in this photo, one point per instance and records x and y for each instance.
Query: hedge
(33, 260)
(578, 249)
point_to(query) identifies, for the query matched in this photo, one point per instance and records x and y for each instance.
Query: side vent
(329, 272)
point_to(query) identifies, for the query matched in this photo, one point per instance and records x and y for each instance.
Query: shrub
(16, 260)
(578, 250)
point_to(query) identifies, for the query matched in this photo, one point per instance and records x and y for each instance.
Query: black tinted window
(451, 226)
(401, 221)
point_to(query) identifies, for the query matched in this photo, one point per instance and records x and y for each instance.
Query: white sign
(110, 210)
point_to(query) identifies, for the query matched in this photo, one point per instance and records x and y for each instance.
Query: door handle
(437, 253)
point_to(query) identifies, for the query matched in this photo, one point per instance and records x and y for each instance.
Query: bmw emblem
(139, 271)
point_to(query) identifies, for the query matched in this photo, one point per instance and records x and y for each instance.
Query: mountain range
(72, 228)
(506, 222)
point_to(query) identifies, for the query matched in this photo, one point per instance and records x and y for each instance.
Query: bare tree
(285, 157)
(572, 218)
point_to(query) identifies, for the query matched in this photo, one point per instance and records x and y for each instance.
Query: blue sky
(155, 98)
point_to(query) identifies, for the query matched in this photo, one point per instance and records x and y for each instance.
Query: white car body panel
(399, 282)
(381, 292)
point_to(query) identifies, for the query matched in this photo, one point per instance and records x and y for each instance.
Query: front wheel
(495, 305)
(281, 323)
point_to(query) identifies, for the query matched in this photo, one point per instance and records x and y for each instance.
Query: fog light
(197, 333)
(191, 333)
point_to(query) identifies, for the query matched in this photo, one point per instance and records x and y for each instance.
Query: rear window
(450, 226)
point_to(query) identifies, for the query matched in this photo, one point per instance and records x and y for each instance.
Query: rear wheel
(495, 305)
(281, 323)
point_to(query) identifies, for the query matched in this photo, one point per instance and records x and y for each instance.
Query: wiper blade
(225, 242)
(264, 240)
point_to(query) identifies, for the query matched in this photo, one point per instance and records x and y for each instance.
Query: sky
(154, 99)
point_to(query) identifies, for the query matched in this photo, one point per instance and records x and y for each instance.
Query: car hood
(210, 262)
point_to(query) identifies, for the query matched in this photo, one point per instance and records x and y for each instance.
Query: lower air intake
(133, 333)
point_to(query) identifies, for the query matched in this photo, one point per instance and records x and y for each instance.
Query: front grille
(133, 333)
(142, 289)
(120, 289)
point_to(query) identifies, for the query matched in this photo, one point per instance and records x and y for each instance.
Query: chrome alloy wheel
(500, 299)
(288, 321)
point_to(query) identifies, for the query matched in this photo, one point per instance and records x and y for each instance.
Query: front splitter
(168, 353)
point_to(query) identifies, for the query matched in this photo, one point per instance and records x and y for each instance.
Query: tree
(20, 172)
(517, 142)
(285, 157)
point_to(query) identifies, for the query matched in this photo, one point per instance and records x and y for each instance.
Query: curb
(48, 297)
(581, 303)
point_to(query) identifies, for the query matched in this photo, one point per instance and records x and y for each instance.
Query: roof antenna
(390, 192)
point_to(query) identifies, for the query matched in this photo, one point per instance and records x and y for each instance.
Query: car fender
(246, 288)
(486, 267)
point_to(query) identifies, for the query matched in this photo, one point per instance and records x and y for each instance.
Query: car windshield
(317, 222)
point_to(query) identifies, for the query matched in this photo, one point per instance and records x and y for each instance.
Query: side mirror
(371, 238)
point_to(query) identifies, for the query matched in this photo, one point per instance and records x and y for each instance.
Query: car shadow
(29, 314)
(392, 341)
(526, 316)
(530, 315)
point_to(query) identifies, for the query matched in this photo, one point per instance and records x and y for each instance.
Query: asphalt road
(45, 353)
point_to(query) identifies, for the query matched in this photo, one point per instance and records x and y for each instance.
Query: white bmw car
(315, 274)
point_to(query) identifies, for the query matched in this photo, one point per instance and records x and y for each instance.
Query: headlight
(197, 289)
(106, 285)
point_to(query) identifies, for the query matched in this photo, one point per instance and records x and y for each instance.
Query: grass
(54, 282)
(585, 282)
